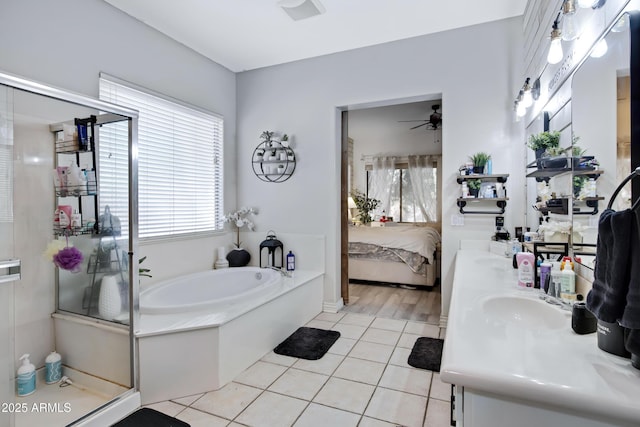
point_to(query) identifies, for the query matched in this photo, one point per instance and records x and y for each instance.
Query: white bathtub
(208, 290)
(200, 331)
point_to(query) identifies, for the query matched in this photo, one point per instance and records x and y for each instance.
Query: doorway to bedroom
(392, 155)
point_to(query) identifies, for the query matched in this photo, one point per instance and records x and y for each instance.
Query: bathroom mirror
(602, 124)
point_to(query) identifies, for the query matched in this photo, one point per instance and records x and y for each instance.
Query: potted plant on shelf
(474, 186)
(239, 257)
(364, 205)
(543, 141)
(479, 161)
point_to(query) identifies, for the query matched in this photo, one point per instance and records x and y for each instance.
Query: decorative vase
(238, 257)
(474, 192)
(478, 170)
(109, 301)
(539, 155)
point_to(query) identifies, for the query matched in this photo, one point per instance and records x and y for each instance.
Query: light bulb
(599, 49)
(586, 3)
(521, 110)
(527, 99)
(569, 27)
(555, 51)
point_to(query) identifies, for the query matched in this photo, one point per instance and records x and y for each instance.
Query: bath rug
(147, 417)
(307, 343)
(426, 354)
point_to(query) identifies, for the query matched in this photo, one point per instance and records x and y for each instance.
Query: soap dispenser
(26, 377)
(53, 368)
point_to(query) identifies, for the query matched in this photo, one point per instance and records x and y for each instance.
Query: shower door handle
(9, 270)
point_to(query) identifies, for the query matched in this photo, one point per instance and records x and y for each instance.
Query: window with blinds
(180, 187)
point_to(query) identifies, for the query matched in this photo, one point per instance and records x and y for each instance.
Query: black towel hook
(622, 184)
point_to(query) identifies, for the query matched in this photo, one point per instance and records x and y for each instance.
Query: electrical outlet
(457, 220)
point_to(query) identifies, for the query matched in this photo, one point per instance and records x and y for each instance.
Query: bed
(398, 254)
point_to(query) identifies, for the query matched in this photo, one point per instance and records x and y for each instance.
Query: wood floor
(394, 302)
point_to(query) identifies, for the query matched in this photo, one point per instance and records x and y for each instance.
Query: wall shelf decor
(273, 160)
(501, 202)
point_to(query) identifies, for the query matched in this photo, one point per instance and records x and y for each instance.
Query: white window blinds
(179, 163)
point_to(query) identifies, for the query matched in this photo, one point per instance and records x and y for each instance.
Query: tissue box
(556, 237)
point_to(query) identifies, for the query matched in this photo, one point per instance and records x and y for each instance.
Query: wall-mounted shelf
(551, 172)
(501, 202)
(273, 162)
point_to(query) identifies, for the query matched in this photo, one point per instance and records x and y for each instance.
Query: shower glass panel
(6, 252)
(61, 159)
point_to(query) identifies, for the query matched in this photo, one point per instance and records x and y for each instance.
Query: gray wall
(475, 69)
(67, 43)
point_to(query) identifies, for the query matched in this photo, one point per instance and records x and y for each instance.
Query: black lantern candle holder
(274, 254)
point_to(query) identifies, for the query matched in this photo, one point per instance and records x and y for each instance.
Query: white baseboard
(443, 321)
(332, 307)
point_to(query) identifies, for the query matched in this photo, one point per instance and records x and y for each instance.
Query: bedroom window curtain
(383, 182)
(423, 183)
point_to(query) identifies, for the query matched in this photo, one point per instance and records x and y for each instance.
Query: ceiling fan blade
(423, 120)
(416, 127)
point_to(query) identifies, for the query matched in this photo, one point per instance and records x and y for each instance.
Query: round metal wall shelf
(273, 162)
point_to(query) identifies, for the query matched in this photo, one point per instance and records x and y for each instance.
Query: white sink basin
(526, 312)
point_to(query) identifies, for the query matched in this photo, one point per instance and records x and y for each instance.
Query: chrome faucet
(553, 300)
(284, 273)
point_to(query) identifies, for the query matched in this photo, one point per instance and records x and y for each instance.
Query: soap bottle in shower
(53, 368)
(26, 378)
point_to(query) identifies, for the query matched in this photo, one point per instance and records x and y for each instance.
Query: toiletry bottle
(76, 219)
(545, 274)
(53, 368)
(526, 269)
(556, 278)
(568, 285)
(489, 167)
(26, 377)
(291, 261)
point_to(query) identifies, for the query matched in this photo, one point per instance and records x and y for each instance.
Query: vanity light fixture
(569, 27)
(600, 49)
(527, 98)
(555, 54)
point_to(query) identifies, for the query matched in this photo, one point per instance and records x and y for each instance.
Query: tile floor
(364, 380)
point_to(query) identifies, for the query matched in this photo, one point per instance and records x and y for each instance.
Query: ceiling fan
(432, 123)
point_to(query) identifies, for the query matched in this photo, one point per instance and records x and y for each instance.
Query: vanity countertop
(491, 347)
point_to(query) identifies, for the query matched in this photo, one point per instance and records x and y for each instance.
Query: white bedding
(422, 240)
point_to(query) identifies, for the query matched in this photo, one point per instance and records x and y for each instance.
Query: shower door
(8, 272)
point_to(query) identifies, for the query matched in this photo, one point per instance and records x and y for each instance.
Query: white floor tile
(380, 336)
(188, 400)
(227, 402)
(331, 317)
(400, 357)
(364, 371)
(439, 390)
(300, 384)
(371, 351)
(196, 418)
(260, 374)
(322, 416)
(353, 332)
(397, 407)
(410, 380)
(272, 409)
(326, 365)
(342, 394)
(438, 414)
(343, 346)
(320, 324)
(407, 340)
(389, 324)
(357, 319)
(167, 407)
(422, 329)
(372, 422)
(279, 359)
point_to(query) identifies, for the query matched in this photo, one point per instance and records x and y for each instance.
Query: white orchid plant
(239, 219)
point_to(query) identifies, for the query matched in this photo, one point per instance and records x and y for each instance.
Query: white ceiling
(247, 34)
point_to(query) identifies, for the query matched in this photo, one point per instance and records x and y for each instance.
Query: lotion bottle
(526, 269)
(26, 377)
(53, 368)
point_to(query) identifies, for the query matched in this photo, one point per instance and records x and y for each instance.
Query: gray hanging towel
(631, 316)
(608, 296)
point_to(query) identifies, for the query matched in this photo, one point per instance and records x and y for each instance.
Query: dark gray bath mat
(426, 354)
(147, 417)
(307, 343)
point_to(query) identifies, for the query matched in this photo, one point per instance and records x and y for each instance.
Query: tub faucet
(284, 273)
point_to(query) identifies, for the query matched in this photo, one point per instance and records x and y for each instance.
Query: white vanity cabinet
(516, 362)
